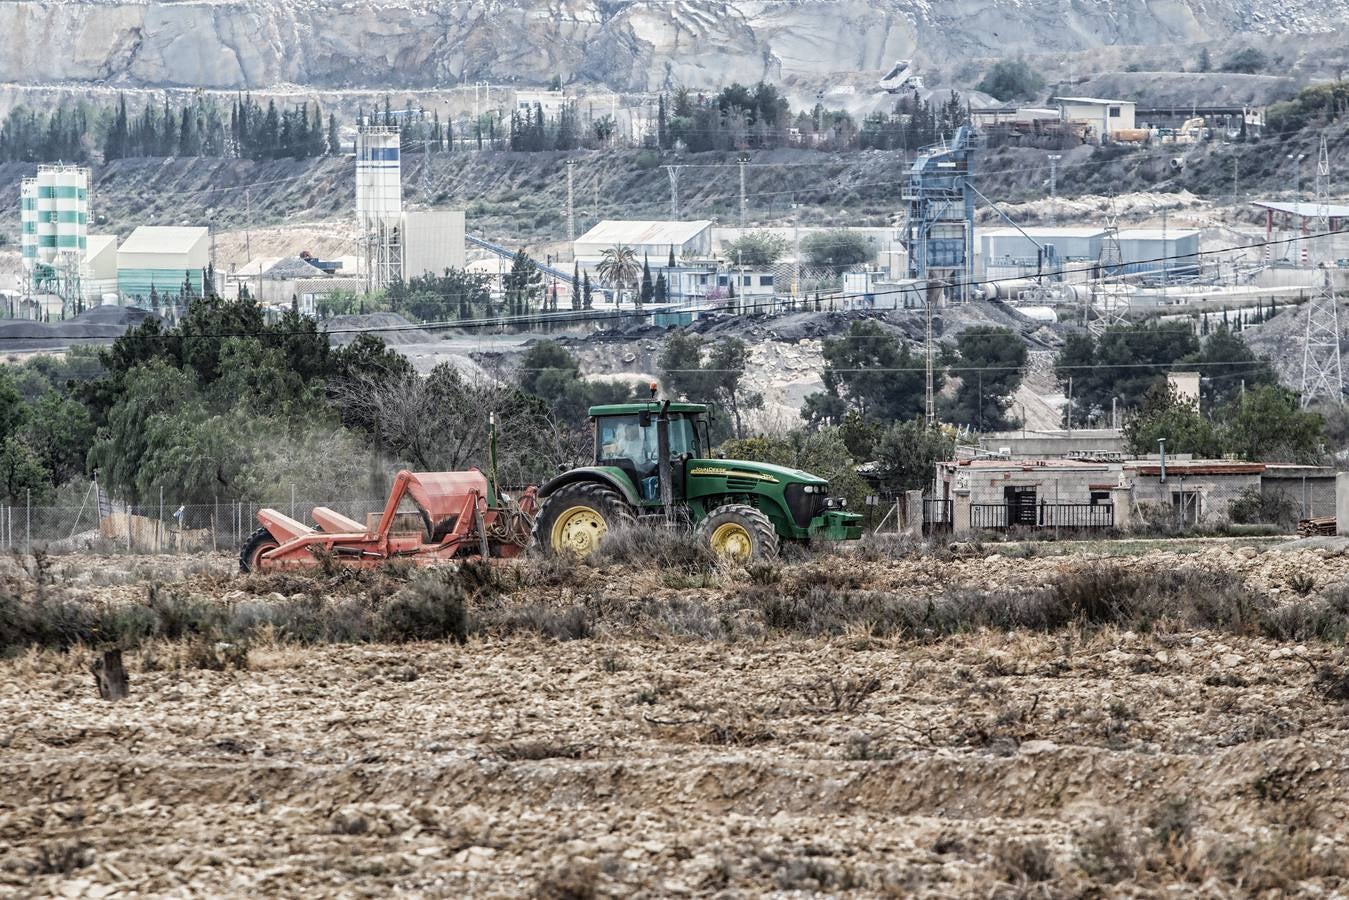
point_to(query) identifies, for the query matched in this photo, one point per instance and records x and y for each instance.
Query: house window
(747, 280)
(1099, 497)
(1114, 112)
(765, 281)
(722, 280)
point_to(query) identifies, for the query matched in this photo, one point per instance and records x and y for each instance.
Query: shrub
(1011, 79)
(1254, 507)
(432, 608)
(655, 548)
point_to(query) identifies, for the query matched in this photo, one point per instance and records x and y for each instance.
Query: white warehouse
(653, 240)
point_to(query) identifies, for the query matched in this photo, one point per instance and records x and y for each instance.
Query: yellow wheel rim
(579, 530)
(732, 541)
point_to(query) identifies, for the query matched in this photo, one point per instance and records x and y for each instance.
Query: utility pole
(673, 172)
(248, 223)
(796, 250)
(744, 199)
(1235, 192)
(929, 351)
(1053, 185)
(571, 215)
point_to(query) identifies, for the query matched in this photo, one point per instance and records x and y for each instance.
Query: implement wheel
(739, 533)
(576, 517)
(258, 543)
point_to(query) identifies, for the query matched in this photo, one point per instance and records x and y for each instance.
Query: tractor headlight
(842, 502)
(830, 502)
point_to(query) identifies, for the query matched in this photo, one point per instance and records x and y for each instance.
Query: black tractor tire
(575, 517)
(738, 524)
(258, 542)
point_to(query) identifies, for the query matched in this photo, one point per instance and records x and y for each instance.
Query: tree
(1165, 414)
(1247, 61)
(989, 361)
(549, 372)
(870, 372)
(334, 139)
(1121, 364)
(1226, 364)
(820, 452)
(1267, 425)
(648, 289)
(1011, 80)
(661, 292)
(587, 298)
(23, 478)
(522, 284)
(907, 454)
(618, 266)
(709, 373)
(576, 285)
(837, 248)
(756, 249)
(1205, 60)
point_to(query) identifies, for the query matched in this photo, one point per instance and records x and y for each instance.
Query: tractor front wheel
(739, 532)
(258, 543)
(576, 517)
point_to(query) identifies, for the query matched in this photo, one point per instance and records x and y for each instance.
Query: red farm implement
(430, 518)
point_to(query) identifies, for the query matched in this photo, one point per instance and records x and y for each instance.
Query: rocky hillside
(624, 44)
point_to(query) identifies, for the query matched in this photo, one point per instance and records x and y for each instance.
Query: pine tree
(334, 141)
(648, 289)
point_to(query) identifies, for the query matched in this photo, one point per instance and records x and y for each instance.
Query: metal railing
(996, 516)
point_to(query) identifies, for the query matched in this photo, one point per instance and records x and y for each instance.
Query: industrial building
(99, 274)
(162, 259)
(433, 241)
(653, 240)
(1105, 116)
(54, 222)
(1069, 253)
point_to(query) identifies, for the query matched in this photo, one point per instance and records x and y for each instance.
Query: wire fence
(166, 527)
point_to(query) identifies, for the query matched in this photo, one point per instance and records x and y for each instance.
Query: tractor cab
(628, 438)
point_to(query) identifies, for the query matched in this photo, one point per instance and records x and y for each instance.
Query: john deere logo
(733, 473)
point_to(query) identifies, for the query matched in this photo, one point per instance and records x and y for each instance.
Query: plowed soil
(1095, 762)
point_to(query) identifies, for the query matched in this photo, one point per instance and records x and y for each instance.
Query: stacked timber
(1316, 526)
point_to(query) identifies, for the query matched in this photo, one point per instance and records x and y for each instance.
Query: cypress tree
(648, 289)
(587, 299)
(576, 285)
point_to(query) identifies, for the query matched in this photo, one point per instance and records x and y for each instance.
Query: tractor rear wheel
(258, 543)
(576, 517)
(739, 532)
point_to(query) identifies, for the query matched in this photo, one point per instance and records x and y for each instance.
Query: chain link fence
(167, 527)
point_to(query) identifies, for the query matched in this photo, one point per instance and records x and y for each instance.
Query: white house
(652, 240)
(1105, 116)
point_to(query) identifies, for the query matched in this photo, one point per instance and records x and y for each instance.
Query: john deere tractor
(654, 465)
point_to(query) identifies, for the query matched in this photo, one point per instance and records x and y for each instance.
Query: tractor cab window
(624, 438)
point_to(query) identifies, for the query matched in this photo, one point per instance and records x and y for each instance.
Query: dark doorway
(1020, 505)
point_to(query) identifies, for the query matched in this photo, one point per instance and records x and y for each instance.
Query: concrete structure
(1074, 251)
(379, 202)
(1039, 493)
(1185, 384)
(99, 275)
(1342, 503)
(433, 241)
(552, 102)
(1104, 115)
(163, 259)
(1292, 223)
(650, 239)
(1080, 442)
(1310, 488)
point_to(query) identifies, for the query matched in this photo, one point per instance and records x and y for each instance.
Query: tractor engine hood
(739, 470)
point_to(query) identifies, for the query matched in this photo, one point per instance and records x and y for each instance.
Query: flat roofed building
(163, 259)
(652, 239)
(1105, 115)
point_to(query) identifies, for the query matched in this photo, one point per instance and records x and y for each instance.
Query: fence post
(159, 523)
(28, 522)
(292, 500)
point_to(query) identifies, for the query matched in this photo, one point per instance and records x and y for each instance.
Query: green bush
(432, 608)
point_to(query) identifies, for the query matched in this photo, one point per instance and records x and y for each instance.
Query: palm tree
(619, 267)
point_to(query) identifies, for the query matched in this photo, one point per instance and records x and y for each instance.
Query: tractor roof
(653, 406)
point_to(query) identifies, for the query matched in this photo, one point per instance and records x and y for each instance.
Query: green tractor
(654, 465)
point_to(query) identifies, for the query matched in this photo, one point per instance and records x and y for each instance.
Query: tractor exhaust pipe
(663, 462)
